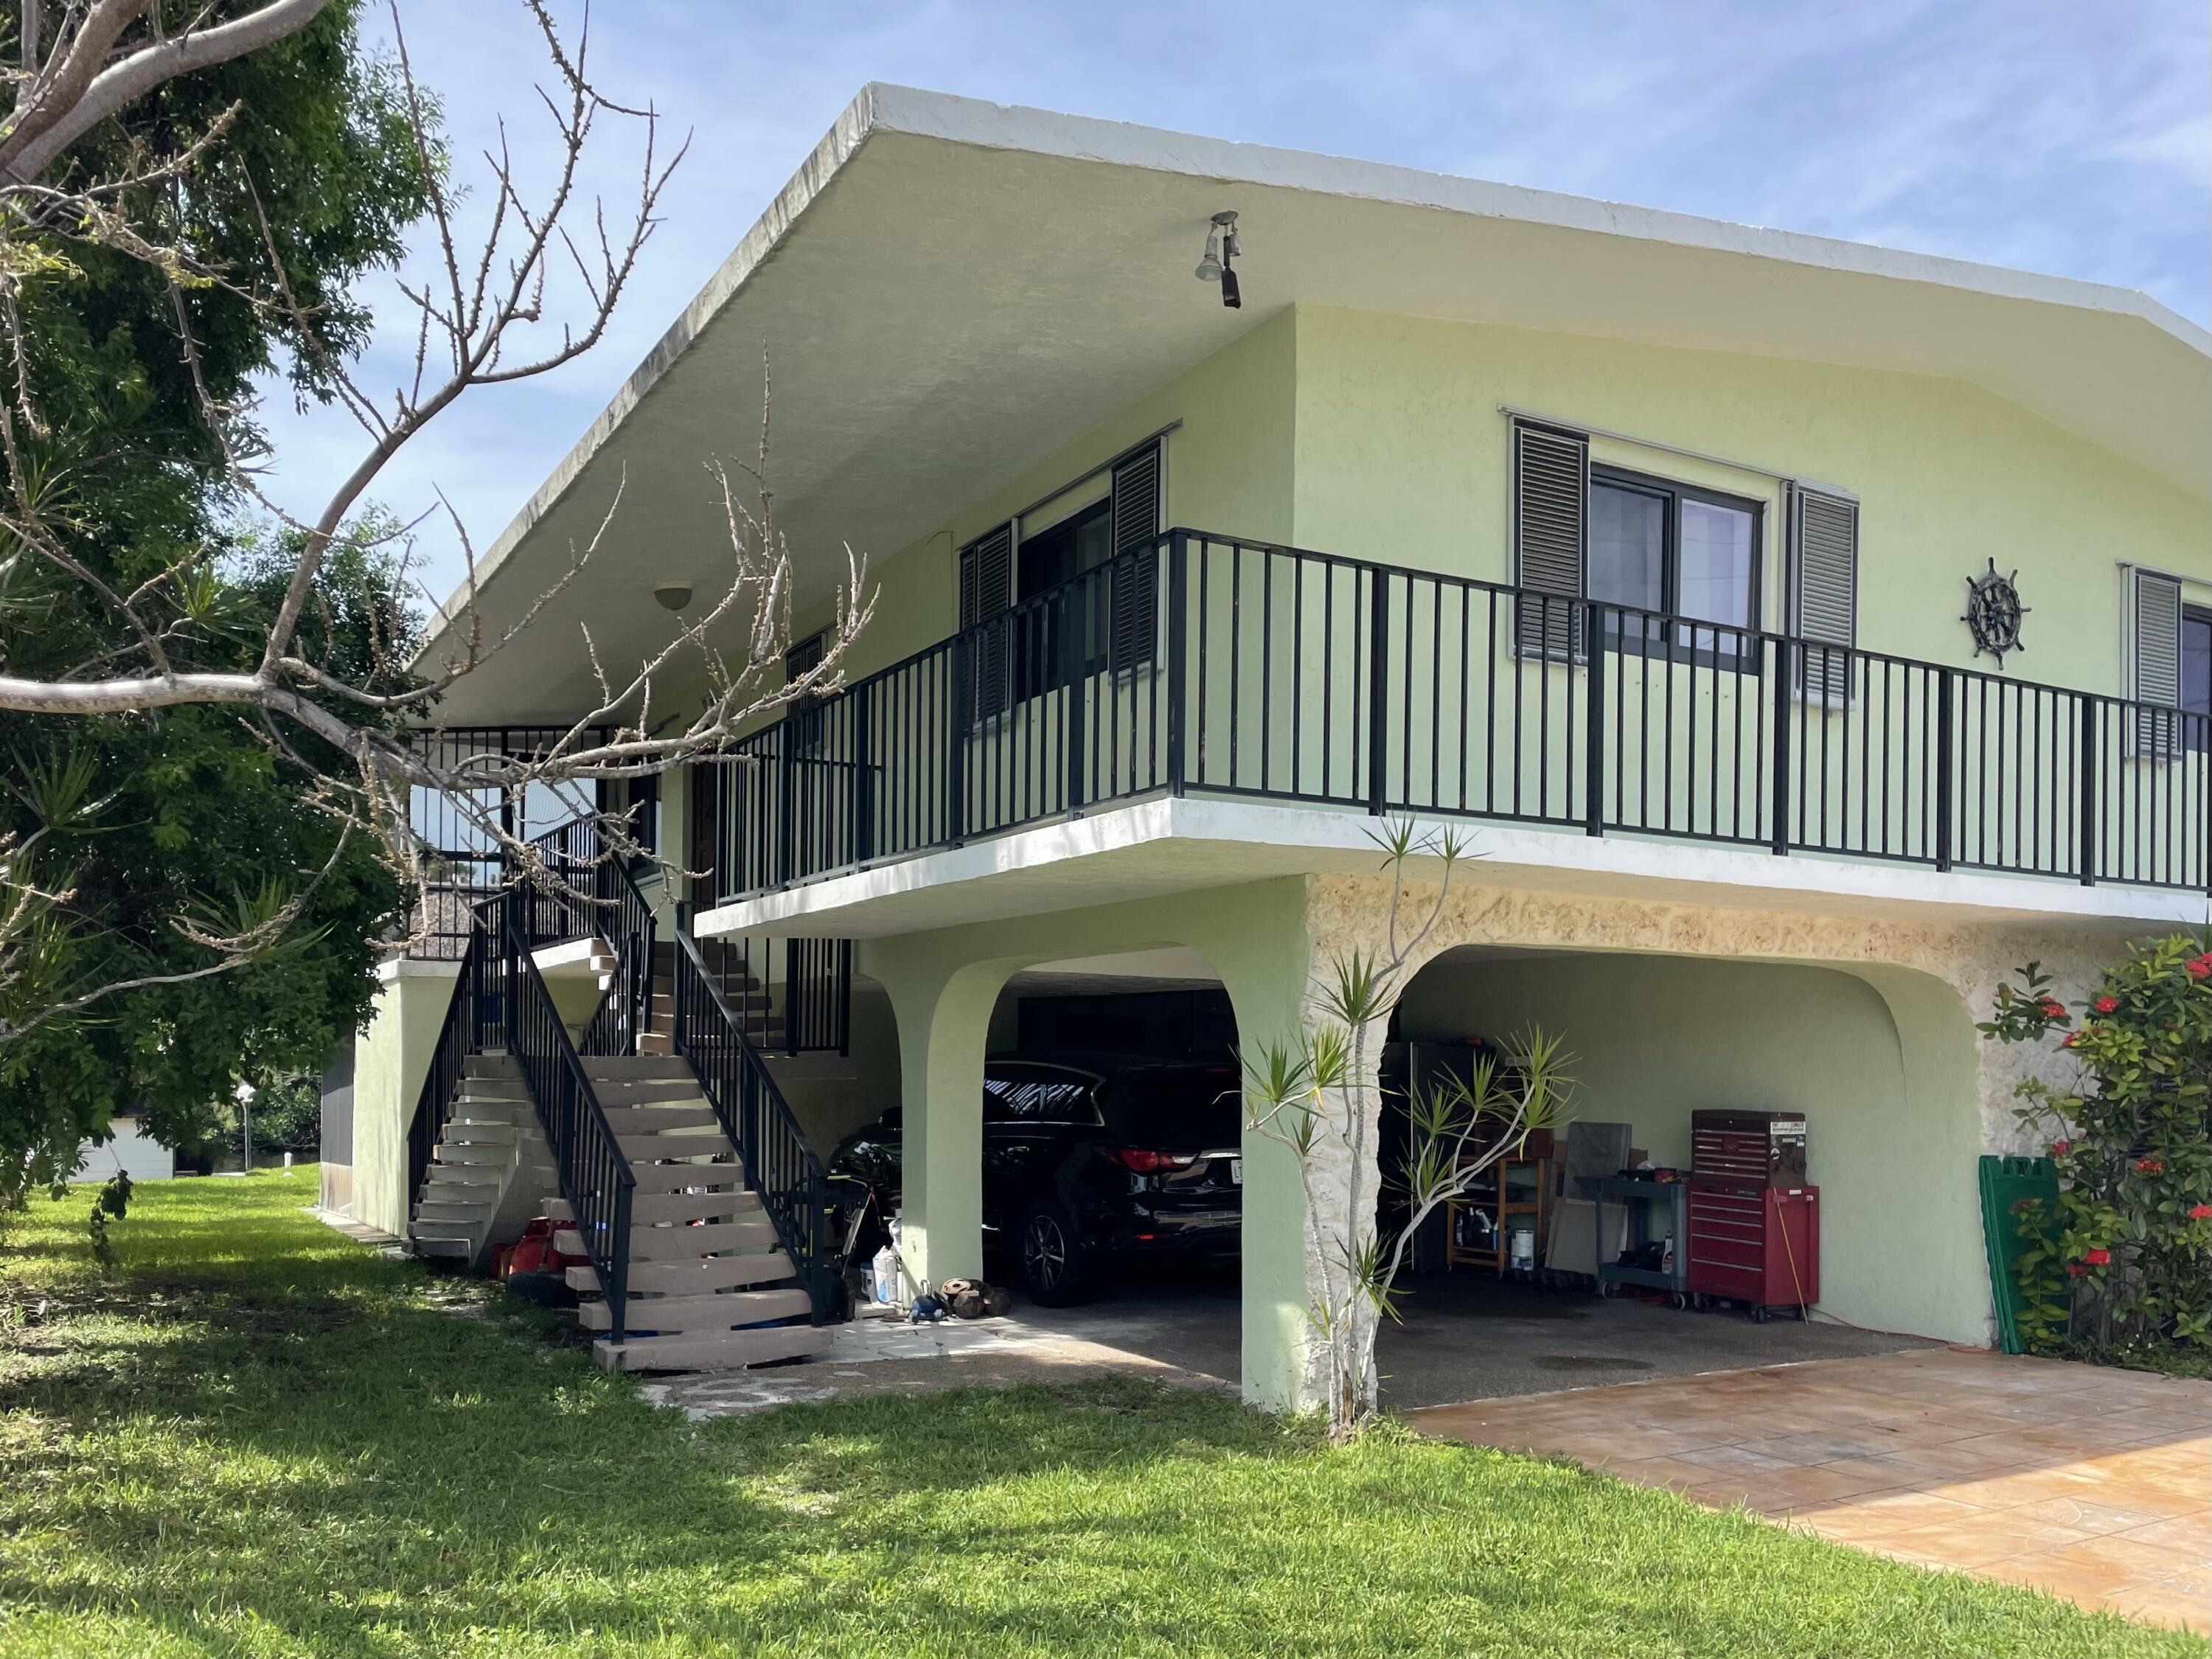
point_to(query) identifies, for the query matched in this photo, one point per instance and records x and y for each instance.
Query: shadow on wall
(1895, 1123)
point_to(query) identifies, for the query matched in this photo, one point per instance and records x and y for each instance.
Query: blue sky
(2072, 137)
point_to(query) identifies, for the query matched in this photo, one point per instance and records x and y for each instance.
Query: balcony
(1207, 666)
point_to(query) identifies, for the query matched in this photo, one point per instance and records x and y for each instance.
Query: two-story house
(1680, 565)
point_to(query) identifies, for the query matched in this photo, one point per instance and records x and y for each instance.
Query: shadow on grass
(267, 1444)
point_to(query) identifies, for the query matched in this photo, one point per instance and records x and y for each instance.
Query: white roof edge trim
(1124, 144)
(886, 106)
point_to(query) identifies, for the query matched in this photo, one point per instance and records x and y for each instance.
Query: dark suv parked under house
(1088, 1160)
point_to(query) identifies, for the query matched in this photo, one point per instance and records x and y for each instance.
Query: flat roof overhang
(950, 291)
(1171, 844)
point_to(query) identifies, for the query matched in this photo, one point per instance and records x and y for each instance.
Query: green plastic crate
(2005, 1181)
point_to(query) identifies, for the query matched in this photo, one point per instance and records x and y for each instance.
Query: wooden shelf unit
(1510, 1188)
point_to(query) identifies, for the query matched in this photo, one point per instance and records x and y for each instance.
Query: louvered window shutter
(987, 589)
(2155, 615)
(1551, 498)
(1136, 510)
(1823, 581)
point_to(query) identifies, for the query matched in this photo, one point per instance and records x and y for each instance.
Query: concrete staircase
(489, 1171)
(761, 1007)
(710, 1287)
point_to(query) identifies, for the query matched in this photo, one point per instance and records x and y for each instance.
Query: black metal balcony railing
(1268, 672)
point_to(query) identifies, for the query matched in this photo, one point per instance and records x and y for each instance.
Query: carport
(1654, 1038)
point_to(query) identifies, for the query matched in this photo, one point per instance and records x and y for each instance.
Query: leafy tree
(160, 839)
(2122, 1263)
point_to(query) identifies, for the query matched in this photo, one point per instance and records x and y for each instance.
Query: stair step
(645, 1147)
(727, 1351)
(467, 1175)
(447, 1248)
(647, 1091)
(461, 1212)
(480, 1134)
(679, 1278)
(649, 1244)
(675, 1177)
(658, 1120)
(491, 1066)
(666, 1315)
(646, 1208)
(472, 1152)
(635, 1068)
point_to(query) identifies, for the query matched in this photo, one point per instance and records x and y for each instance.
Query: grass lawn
(261, 1439)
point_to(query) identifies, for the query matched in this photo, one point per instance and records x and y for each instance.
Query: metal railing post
(786, 771)
(864, 781)
(1593, 738)
(1778, 830)
(791, 983)
(1178, 654)
(1945, 764)
(2091, 791)
(1075, 665)
(1378, 691)
(963, 701)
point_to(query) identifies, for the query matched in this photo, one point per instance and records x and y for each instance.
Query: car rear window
(1200, 1108)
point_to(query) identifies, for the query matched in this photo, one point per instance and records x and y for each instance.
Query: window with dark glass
(1079, 542)
(1665, 548)
(804, 657)
(2197, 674)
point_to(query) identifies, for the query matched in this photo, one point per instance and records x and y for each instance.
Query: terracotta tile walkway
(2093, 1484)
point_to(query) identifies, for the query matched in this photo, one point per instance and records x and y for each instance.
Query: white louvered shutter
(1824, 572)
(1136, 510)
(2154, 616)
(1551, 499)
(987, 588)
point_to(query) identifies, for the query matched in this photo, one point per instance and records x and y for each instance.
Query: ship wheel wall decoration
(1994, 612)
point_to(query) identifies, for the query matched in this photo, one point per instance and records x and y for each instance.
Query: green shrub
(2123, 1261)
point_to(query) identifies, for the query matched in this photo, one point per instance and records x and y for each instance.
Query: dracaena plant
(1315, 1095)
(2121, 1262)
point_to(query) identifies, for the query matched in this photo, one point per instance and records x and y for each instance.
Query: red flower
(2149, 1166)
(2075, 1270)
(2097, 1258)
(2060, 1148)
(2052, 1008)
(2200, 1212)
(2070, 1039)
(2200, 966)
(2106, 1004)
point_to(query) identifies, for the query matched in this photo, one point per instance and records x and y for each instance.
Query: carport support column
(943, 1024)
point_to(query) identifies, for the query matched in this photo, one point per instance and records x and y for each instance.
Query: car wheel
(1053, 1267)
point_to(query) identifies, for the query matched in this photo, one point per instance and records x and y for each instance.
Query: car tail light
(1141, 1162)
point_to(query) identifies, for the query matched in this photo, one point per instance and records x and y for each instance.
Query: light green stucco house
(1636, 545)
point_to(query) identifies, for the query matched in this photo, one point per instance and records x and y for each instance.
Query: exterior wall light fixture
(1221, 247)
(672, 596)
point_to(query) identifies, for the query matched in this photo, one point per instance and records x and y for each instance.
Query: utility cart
(1641, 1196)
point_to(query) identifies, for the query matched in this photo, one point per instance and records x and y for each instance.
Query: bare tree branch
(68, 104)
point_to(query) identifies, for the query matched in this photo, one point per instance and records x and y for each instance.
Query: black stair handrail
(599, 898)
(781, 1168)
(595, 1178)
(461, 1036)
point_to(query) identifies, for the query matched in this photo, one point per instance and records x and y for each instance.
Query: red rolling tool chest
(1753, 1223)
